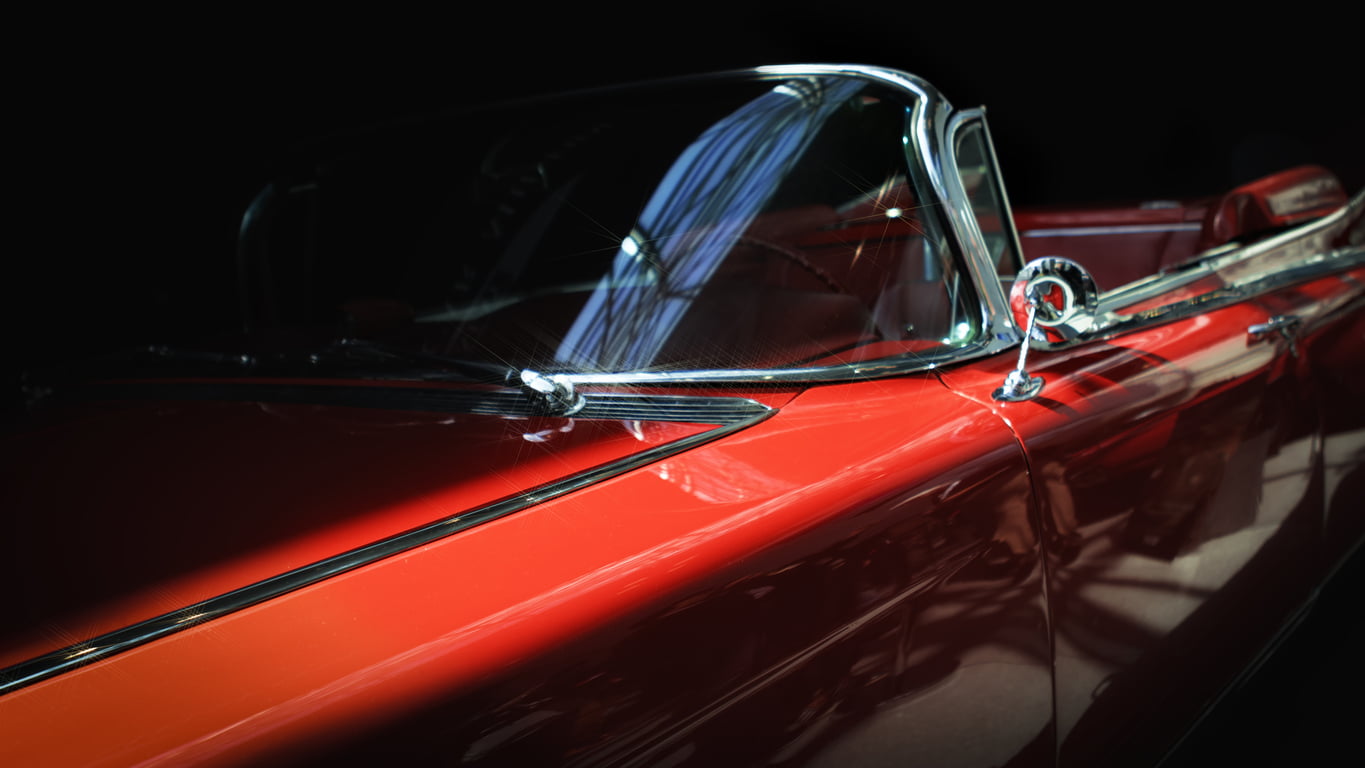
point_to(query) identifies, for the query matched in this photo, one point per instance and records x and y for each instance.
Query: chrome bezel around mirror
(1080, 307)
(1046, 321)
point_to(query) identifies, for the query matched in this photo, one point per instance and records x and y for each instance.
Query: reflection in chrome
(745, 414)
(1285, 325)
(1018, 384)
(555, 395)
(509, 403)
(997, 322)
(1257, 283)
(1299, 255)
(1254, 266)
(1040, 282)
(1077, 312)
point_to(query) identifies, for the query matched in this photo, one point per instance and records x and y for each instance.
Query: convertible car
(728, 420)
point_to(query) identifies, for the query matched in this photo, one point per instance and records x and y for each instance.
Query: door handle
(1285, 325)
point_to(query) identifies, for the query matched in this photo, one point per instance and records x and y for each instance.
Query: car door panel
(1174, 470)
(1328, 336)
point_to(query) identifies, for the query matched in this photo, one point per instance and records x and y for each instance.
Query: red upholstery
(1279, 200)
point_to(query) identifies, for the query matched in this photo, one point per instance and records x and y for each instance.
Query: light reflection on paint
(544, 435)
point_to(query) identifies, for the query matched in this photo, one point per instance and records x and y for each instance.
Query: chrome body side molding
(732, 416)
(502, 402)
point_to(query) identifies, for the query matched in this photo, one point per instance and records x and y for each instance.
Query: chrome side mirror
(1053, 299)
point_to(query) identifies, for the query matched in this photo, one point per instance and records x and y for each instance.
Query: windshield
(724, 225)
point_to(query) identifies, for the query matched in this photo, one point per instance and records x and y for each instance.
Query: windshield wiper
(548, 394)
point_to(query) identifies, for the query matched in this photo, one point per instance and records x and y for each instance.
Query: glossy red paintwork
(1334, 378)
(856, 580)
(823, 571)
(206, 497)
(1178, 470)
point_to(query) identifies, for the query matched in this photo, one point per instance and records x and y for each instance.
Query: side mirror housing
(1053, 299)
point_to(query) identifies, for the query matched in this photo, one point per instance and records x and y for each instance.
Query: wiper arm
(549, 394)
(552, 394)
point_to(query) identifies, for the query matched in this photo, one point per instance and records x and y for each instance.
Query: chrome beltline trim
(1320, 266)
(1117, 229)
(1225, 258)
(1151, 287)
(885, 366)
(110, 644)
(503, 403)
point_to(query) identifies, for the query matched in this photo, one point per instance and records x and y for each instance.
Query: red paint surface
(859, 577)
(1177, 472)
(156, 505)
(798, 588)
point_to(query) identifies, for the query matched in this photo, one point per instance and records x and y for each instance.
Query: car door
(1174, 470)
(1196, 468)
(1323, 320)
(1177, 462)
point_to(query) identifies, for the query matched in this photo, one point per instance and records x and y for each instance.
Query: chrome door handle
(1285, 325)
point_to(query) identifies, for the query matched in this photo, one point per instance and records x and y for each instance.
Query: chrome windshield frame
(928, 140)
(930, 132)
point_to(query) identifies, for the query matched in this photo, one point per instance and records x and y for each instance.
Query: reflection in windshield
(715, 189)
(725, 225)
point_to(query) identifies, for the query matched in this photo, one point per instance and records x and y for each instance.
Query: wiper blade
(548, 394)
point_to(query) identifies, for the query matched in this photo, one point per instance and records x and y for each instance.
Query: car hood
(123, 507)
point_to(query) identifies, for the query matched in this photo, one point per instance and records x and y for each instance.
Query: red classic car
(727, 420)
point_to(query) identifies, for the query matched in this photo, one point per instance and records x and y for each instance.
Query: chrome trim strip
(1227, 260)
(607, 406)
(885, 366)
(110, 644)
(1222, 298)
(1311, 269)
(1152, 286)
(1117, 229)
(999, 325)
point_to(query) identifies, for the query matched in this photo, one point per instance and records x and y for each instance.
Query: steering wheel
(798, 259)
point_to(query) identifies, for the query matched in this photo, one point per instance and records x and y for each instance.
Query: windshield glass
(725, 225)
